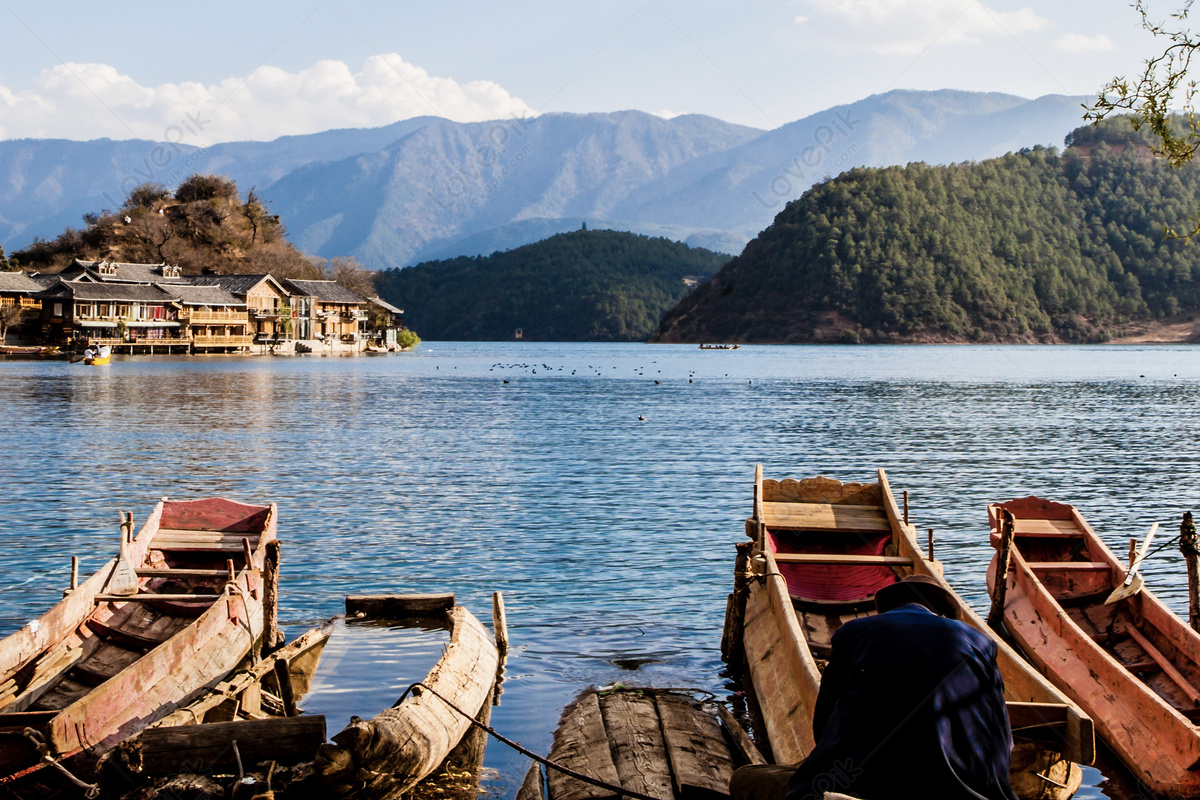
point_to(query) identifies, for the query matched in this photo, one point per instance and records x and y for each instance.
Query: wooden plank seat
(1070, 566)
(181, 573)
(826, 517)
(150, 598)
(842, 558)
(202, 541)
(1047, 528)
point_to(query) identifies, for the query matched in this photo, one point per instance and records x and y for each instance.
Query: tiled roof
(18, 282)
(234, 284)
(386, 306)
(325, 291)
(204, 296)
(125, 272)
(129, 292)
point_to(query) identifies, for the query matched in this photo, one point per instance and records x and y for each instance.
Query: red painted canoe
(1133, 666)
(821, 550)
(98, 666)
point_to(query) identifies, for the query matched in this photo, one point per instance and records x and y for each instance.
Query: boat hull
(1154, 740)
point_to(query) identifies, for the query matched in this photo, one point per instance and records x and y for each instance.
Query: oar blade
(1123, 591)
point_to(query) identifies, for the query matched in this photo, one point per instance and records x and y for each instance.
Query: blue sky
(221, 71)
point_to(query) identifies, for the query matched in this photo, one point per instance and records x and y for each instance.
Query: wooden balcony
(217, 340)
(198, 317)
(23, 302)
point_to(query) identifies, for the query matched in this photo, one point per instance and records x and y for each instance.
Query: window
(58, 309)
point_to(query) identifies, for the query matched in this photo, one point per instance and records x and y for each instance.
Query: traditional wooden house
(142, 317)
(122, 272)
(328, 316)
(213, 319)
(384, 322)
(269, 311)
(18, 303)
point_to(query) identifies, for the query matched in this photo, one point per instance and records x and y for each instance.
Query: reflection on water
(611, 536)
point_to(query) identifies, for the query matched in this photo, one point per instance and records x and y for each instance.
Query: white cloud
(667, 114)
(909, 26)
(92, 100)
(800, 20)
(1078, 44)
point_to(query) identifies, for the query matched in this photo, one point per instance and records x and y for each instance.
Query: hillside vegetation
(600, 286)
(1032, 246)
(203, 224)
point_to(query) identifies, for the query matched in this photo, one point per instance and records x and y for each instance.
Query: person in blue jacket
(911, 705)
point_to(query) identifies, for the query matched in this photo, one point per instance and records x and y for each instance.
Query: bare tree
(352, 275)
(12, 316)
(255, 213)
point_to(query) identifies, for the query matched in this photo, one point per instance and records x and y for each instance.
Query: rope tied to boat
(579, 776)
(90, 790)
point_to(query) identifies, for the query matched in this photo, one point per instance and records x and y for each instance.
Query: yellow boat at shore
(97, 356)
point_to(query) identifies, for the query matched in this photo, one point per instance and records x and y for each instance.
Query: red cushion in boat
(832, 582)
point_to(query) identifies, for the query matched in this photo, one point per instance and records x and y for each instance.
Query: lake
(601, 488)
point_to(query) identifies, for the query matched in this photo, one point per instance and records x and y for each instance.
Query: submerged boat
(1133, 665)
(383, 757)
(821, 549)
(179, 609)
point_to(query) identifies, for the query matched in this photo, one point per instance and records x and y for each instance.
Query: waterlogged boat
(179, 609)
(380, 758)
(1133, 665)
(821, 549)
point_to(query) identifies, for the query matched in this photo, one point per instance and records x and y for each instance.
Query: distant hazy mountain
(430, 188)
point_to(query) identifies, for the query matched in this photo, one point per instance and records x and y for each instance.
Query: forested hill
(600, 286)
(1033, 246)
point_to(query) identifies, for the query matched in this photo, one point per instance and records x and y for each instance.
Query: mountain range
(428, 188)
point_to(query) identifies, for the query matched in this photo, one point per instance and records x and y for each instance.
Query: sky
(218, 71)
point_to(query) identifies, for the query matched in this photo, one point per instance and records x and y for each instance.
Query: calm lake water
(529, 469)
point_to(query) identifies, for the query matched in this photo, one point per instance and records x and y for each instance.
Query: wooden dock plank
(581, 744)
(636, 743)
(701, 763)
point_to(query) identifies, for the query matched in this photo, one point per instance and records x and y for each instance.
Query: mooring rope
(526, 752)
(90, 790)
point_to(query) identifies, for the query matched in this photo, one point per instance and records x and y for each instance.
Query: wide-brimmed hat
(921, 589)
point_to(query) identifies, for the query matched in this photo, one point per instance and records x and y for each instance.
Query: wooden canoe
(823, 548)
(98, 666)
(380, 758)
(1133, 666)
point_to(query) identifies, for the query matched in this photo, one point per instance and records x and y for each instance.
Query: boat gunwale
(1075, 639)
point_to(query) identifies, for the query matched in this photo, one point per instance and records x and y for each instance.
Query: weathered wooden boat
(663, 743)
(383, 757)
(38, 352)
(820, 550)
(101, 665)
(1133, 665)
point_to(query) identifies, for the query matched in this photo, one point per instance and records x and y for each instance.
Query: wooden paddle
(124, 581)
(1133, 578)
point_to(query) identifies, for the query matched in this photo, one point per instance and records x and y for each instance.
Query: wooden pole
(1000, 589)
(1132, 551)
(906, 508)
(74, 572)
(272, 638)
(1189, 545)
(930, 548)
(500, 624)
(283, 676)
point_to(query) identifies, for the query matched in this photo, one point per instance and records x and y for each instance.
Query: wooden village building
(18, 290)
(328, 316)
(154, 308)
(267, 305)
(140, 317)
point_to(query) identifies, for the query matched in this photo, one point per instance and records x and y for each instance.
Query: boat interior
(834, 546)
(196, 547)
(1080, 574)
